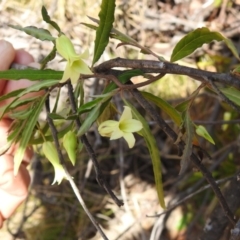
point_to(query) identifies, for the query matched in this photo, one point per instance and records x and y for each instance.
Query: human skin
(13, 189)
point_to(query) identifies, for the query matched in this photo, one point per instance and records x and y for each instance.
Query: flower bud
(70, 145)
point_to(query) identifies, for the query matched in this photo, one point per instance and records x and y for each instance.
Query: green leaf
(231, 46)
(202, 132)
(56, 116)
(48, 58)
(11, 94)
(56, 101)
(88, 106)
(93, 115)
(39, 86)
(39, 33)
(16, 130)
(22, 102)
(48, 20)
(114, 33)
(31, 74)
(38, 140)
(90, 26)
(26, 135)
(21, 114)
(196, 39)
(106, 17)
(189, 135)
(21, 92)
(232, 93)
(165, 106)
(154, 152)
(181, 107)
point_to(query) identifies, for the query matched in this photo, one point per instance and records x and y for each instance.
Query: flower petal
(59, 173)
(106, 128)
(129, 139)
(130, 125)
(81, 67)
(116, 134)
(66, 74)
(65, 47)
(127, 114)
(85, 55)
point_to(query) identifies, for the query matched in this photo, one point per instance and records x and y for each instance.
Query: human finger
(24, 58)
(13, 189)
(7, 55)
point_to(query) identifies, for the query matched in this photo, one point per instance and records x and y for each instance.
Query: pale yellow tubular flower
(122, 128)
(51, 154)
(59, 174)
(75, 65)
(106, 128)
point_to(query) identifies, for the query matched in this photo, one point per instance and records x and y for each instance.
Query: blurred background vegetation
(52, 212)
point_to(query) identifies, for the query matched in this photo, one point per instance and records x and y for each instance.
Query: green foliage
(26, 134)
(39, 33)
(94, 114)
(48, 20)
(165, 106)
(31, 74)
(106, 17)
(232, 93)
(114, 33)
(153, 151)
(196, 39)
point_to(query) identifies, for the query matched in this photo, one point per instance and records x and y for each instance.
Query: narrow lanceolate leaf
(232, 47)
(196, 39)
(20, 114)
(165, 106)
(232, 93)
(39, 33)
(154, 152)
(94, 114)
(21, 92)
(114, 33)
(48, 20)
(26, 135)
(106, 17)
(189, 133)
(31, 74)
(48, 58)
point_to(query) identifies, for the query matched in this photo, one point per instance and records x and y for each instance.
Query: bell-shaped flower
(122, 128)
(50, 152)
(75, 65)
